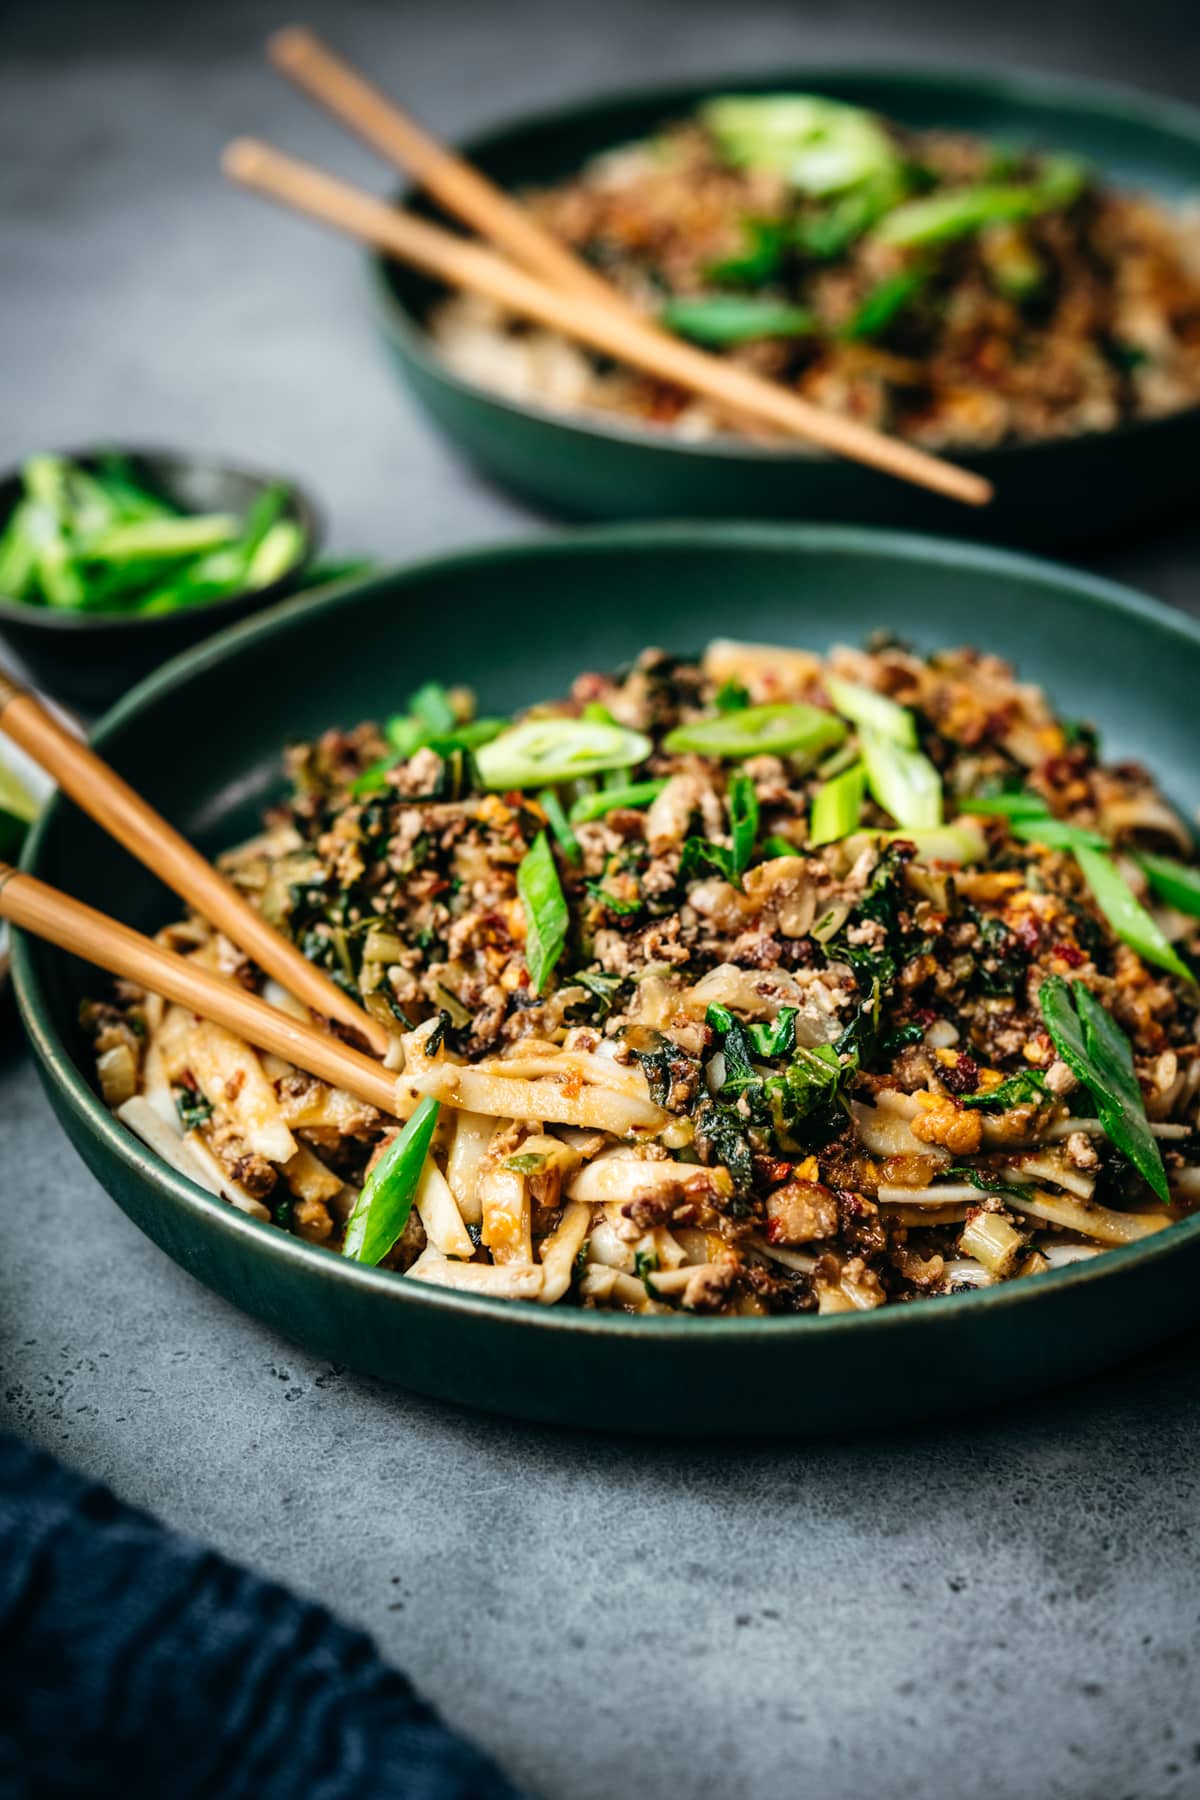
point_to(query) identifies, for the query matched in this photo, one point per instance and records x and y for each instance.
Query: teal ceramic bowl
(518, 622)
(588, 468)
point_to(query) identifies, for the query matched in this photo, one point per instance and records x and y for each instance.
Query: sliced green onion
(904, 782)
(1098, 1053)
(382, 1208)
(1126, 914)
(1057, 834)
(960, 842)
(156, 538)
(821, 146)
(634, 793)
(864, 706)
(542, 751)
(431, 706)
(956, 212)
(885, 302)
(721, 319)
(1174, 882)
(279, 552)
(777, 729)
(1021, 805)
(837, 807)
(560, 825)
(743, 819)
(766, 250)
(546, 915)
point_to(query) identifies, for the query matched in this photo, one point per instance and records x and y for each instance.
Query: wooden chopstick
(121, 812)
(451, 259)
(35, 906)
(301, 55)
(456, 184)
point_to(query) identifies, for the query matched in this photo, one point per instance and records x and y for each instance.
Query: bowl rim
(301, 505)
(1085, 95)
(311, 1261)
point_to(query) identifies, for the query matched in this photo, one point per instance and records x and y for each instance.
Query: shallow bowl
(517, 623)
(1061, 491)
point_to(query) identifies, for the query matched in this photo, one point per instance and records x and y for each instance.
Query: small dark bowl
(88, 659)
(1063, 490)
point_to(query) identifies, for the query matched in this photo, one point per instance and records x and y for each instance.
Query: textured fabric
(134, 1661)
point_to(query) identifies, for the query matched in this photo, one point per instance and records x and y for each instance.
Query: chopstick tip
(290, 47)
(242, 159)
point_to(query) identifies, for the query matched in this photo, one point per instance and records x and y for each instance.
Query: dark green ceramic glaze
(517, 623)
(1048, 493)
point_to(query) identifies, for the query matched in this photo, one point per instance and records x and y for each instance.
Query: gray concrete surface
(1005, 1606)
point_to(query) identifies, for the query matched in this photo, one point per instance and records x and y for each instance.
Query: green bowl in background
(517, 623)
(1066, 490)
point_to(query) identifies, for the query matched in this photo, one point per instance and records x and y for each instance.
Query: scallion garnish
(743, 819)
(1173, 882)
(540, 752)
(560, 825)
(633, 794)
(1056, 834)
(904, 782)
(863, 706)
(724, 319)
(837, 806)
(1126, 914)
(777, 729)
(1098, 1054)
(382, 1208)
(546, 915)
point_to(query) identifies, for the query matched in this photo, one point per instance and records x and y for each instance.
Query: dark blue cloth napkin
(137, 1662)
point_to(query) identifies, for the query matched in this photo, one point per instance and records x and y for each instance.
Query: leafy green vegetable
(700, 856)
(731, 696)
(904, 782)
(544, 751)
(956, 212)
(743, 815)
(863, 706)
(193, 1109)
(821, 146)
(1098, 1053)
(621, 909)
(430, 705)
(546, 916)
(885, 303)
(1019, 805)
(382, 1208)
(602, 987)
(632, 794)
(837, 806)
(829, 231)
(723, 319)
(778, 1036)
(1026, 1088)
(1126, 914)
(1057, 834)
(779, 729)
(1175, 882)
(560, 825)
(767, 244)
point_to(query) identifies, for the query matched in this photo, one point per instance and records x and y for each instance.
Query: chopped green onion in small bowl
(113, 560)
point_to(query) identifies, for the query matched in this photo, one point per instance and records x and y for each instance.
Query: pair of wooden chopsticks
(537, 277)
(41, 909)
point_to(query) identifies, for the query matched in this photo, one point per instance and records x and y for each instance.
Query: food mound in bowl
(954, 291)
(767, 983)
